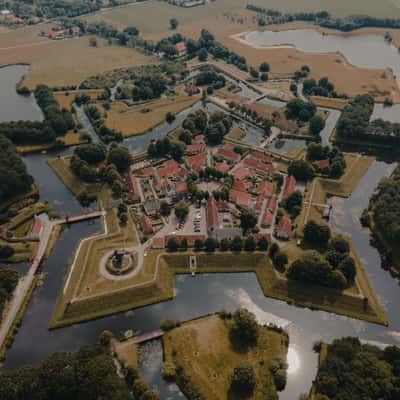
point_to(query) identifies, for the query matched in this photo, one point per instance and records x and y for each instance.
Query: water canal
(201, 295)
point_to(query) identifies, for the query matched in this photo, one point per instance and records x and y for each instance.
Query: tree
(280, 260)
(184, 244)
(105, 338)
(224, 245)
(264, 67)
(316, 234)
(173, 23)
(244, 327)
(317, 123)
(262, 244)
(301, 170)
(348, 268)
(165, 209)
(273, 249)
(264, 77)
(170, 117)
(210, 245)
(254, 73)
(6, 252)
(93, 42)
(120, 157)
(181, 210)
(198, 245)
(237, 244)
(172, 245)
(202, 55)
(250, 244)
(247, 221)
(243, 379)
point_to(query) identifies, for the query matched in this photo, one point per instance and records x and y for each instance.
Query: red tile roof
(241, 185)
(170, 168)
(199, 139)
(228, 155)
(267, 219)
(180, 47)
(290, 186)
(284, 227)
(212, 213)
(145, 171)
(158, 242)
(258, 155)
(242, 173)
(322, 164)
(242, 199)
(266, 188)
(36, 226)
(134, 185)
(222, 167)
(196, 162)
(146, 225)
(195, 148)
(181, 187)
(272, 203)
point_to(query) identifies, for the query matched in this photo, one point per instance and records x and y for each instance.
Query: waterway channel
(203, 294)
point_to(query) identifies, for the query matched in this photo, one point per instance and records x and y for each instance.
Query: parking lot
(189, 227)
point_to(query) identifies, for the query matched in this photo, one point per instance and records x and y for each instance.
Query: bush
(243, 379)
(245, 327)
(169, 372)
(167, 324)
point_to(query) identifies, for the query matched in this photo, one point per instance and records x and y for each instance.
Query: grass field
(328, 102)
(236, 133)
(63, 62)
(138, 119)
(203, 350)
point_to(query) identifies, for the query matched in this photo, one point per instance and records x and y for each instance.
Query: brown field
(63, 62)
(347, 79)
(66, 98)
(135, 120)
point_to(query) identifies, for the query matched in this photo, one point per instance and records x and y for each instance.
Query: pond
(366, 51)
(391, 114)
(284, 145)
(13, 106)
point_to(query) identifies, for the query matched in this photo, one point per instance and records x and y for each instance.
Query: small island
(226, 356)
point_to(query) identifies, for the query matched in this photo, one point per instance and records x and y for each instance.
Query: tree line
(323, 19)
(354, 123)
(14, 177)
(56, 122)
(8, 281)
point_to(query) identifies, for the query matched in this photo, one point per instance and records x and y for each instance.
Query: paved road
(86, 124)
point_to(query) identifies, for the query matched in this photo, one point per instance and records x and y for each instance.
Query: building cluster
(253, 187)
(58, 34)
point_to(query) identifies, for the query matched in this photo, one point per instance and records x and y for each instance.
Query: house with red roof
(196, 162)
(192, 89)
(241, 199)
(265, 188)
(145, 172)
(322, 164)
(169, 169)
(158, 242)
(181, 49)
(146, 225)
(134, 186)
(290, 186)
(193, 149)
(242, 173)
(228, 155)
(181, 190)
(223, 167)
(284, 228)
(267, 219)
(272, 204)
(37, 228)
(241, 185)
(260, 156)
(212, 217)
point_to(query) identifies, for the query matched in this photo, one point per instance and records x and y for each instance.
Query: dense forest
(56, 122)
(385, 204)
(88, 374)
(324, 19)
(14, 178)
(354, 123)
(355, 371)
